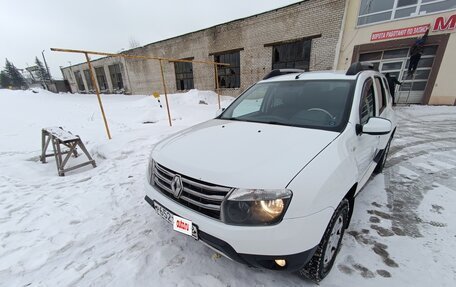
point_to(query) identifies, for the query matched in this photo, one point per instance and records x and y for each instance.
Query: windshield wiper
(231, 119)
(260, 122)
(275, 123)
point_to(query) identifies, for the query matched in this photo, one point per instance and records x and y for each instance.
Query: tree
(42, 72)
(5, 80)
(17, 80)
(133, 43)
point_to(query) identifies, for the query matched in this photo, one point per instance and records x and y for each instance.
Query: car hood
(241, 154)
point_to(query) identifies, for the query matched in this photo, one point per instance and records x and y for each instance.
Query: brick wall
(304, 19)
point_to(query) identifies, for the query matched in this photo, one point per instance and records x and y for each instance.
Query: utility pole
(45, 63)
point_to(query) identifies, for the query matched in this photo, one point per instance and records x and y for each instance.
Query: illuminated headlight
(256, 206)
(151, 171)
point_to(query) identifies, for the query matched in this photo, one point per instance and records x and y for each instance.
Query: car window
(252, 104)
(284, 95)
(380, 95)
(367, 104)
(322, 104)
(385, 84)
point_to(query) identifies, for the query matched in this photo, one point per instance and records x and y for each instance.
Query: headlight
(255, 206)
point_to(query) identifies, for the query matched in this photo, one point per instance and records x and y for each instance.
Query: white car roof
(325, 75)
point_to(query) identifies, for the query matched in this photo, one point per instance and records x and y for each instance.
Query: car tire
(381, 164)
(323, 259)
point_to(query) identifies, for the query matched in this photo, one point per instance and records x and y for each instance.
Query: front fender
(325, 181)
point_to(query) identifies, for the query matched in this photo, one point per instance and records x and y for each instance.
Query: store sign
(444, 24)
(440, 24)
(399, 33)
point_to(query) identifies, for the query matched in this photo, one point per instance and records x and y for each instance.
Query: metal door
(396, 63)
(413, 86)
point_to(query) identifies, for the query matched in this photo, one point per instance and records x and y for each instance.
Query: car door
(366, 144)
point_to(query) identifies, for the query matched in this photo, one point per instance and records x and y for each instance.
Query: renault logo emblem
(176, 186)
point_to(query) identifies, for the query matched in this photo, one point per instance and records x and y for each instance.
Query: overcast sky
(29, 26)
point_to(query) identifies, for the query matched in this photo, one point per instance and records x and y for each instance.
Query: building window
(295, 55)
(78, 77)
(229, 76)
(116, 77)
(184, 75)
(88, 80)
(373, 11)
(428, 6)
(101, 78)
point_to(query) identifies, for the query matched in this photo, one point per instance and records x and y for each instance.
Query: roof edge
(200, 30)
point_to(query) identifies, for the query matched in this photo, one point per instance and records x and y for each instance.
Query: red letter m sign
(442, 25)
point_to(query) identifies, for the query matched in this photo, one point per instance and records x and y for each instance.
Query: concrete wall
(444, 92)
(307, 18)
(444, 88)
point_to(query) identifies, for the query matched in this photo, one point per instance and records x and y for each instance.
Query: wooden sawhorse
(58, 137)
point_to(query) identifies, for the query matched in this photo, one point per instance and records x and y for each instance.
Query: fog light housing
(280, 262)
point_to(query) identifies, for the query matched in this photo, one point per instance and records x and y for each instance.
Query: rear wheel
(325, 255)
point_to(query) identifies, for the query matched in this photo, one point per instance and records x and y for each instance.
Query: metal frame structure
(125, 56)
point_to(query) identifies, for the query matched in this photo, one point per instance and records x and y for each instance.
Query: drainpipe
(341, 34)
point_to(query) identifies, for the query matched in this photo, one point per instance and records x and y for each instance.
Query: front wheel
(323, 259)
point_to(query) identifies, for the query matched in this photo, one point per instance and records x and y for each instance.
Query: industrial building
(304, 35)
(310, 35)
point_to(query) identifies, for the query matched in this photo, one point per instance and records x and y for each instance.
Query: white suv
(271, 181)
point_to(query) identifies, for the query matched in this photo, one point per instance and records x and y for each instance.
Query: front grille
(200, 196)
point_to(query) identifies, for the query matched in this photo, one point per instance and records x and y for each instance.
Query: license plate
(182, 225)
(179, 224)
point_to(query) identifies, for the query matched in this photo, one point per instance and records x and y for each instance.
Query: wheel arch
(394, 131)
(350, 196)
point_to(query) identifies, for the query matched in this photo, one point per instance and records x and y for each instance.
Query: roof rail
(357, 67)
(280, 72)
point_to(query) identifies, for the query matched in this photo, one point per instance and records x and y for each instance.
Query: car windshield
(319, 104)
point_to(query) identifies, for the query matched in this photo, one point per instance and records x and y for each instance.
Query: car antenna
(297, 76)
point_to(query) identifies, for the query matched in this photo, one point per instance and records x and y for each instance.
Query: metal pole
(166, 93)
(92, 78)
(217, 85)
(45, 63)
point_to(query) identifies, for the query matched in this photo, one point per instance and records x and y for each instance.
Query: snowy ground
(93, 228)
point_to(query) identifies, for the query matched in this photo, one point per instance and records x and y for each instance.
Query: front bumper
(290, 236)
(294, 262)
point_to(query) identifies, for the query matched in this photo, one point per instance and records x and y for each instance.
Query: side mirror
(375, 126)
(219, 112)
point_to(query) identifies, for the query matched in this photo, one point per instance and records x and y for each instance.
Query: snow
(93, 227)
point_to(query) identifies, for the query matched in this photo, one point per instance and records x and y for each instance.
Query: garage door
(396, 63)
